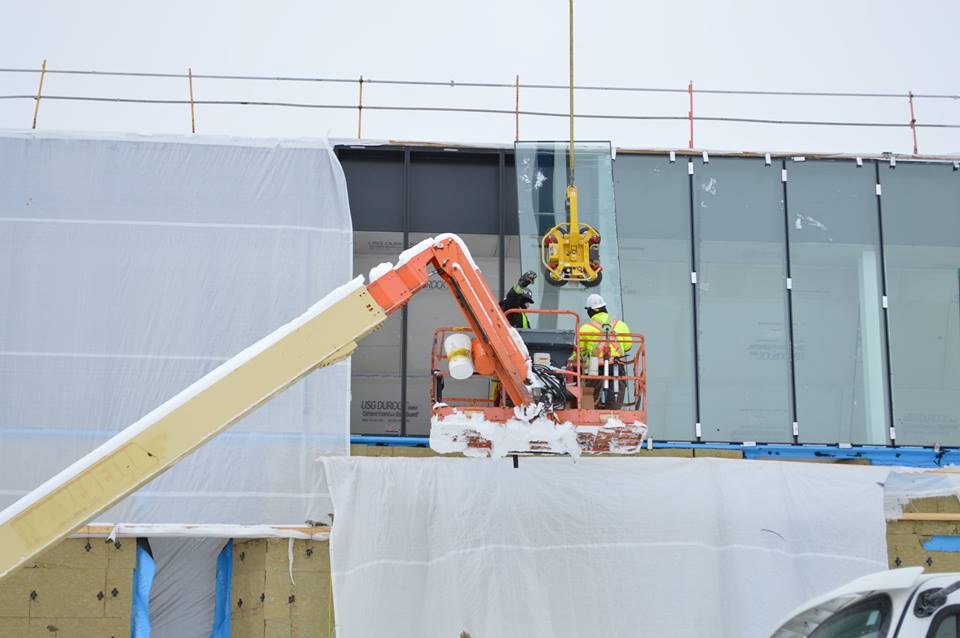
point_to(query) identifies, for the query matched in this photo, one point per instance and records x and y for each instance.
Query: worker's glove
(527, 278)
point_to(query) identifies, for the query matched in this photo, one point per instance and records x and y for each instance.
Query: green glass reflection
(653, 220)
(921, 233)
(838, 332)
(743, 341)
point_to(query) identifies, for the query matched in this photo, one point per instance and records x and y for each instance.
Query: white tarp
(130, 267)
(597, 547)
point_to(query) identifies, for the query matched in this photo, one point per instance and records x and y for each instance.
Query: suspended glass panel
(654, 225)
(838, 329)
(743, 341)
(921, 233)
(541, 197)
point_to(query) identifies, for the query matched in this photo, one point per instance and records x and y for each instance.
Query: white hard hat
(595, 301)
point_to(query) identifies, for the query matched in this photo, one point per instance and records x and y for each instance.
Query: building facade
(783, 299)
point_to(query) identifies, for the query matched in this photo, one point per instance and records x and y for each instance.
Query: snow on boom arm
(325, 334)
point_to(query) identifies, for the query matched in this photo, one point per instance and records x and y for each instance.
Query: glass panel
(454, 192)
(541, 196)
(838, 333)
(868, 619)
(375, 187)
(921, 233)
(744, 368)
(653, 220)
(947, 628)
(375, 365)
(511, 262)
(434, 308)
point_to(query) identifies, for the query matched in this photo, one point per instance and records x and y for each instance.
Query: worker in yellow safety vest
(608, 341)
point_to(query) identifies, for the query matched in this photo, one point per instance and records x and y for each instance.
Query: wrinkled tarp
(129, 268)
(597, 547)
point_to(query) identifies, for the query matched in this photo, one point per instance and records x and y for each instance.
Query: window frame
(940, 616)
(886, 606)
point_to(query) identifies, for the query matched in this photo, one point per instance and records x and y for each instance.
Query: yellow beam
(325, 334)
(929, 516)
(200, 530)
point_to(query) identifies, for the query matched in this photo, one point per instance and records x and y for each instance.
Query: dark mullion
(405, 212)
(696, 303)
(883, 293)
(502, 217)
(790, 344)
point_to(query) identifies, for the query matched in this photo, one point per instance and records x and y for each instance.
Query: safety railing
(631, 370)
(354, 94)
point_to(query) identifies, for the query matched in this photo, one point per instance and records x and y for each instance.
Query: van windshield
(869, 618)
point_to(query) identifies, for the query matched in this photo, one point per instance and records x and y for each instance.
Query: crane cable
(572, 163)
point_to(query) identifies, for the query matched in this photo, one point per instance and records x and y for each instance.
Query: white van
(902, 603)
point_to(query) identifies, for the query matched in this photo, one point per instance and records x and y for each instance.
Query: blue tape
(142, 582)
(943, 544)
(221, 614)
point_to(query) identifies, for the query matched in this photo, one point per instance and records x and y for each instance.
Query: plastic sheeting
(129, 268)
(142, 583)
(597, 547)
(132, 266)
(184, 597)
(221, 613)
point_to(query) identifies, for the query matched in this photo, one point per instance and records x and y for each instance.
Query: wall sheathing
(80, 588)
(266, 603)
(905, 538)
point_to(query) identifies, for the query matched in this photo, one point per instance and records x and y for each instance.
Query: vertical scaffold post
(913, 122)
(360, 111)
(516, 111)
(36, 106)
(193, 112)
(690, 112)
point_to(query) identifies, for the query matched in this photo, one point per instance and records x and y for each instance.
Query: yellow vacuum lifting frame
(325, 334)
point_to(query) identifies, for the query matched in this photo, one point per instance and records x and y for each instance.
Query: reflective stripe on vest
(609, 345)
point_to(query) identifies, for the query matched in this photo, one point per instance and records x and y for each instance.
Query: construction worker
(605, 339)
(519, 298)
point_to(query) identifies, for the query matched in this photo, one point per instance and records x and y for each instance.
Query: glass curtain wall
(742, 336)
(921, 234)
(842, 336)
(837, 314)
(653, 221)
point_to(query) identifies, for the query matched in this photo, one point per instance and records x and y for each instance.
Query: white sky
(835, 45)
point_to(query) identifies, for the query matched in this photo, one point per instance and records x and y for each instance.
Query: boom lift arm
(325, 334)
(452, 262)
